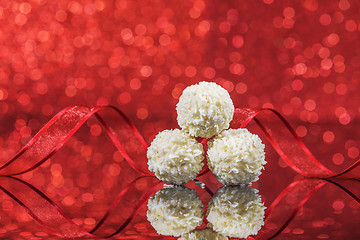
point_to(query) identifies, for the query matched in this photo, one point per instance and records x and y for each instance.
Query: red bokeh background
(300, 57)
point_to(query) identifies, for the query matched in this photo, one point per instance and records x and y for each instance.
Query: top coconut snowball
(204, 109)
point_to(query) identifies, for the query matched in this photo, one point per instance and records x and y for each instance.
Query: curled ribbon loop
(287, 144)
(62, 126)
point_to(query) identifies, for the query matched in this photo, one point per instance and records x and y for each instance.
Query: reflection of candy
(175, 211)
(204, 109)
(175, 157)
(236, 156)
(236, 211)
(204, 234)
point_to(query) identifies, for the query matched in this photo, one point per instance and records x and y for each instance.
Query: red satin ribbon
(64, 124)
(133, 147)
(287, 144)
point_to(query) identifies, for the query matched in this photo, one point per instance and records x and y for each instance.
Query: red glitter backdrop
(300, 57)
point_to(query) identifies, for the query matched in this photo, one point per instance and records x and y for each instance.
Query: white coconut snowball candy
(175, 211)
(236, 156)
(175, 157)
(236, 211)
(204, 109)
(203, 234)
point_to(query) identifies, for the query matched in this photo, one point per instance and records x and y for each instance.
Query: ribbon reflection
(233, 202)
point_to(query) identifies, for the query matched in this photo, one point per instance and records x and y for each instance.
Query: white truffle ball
(175, 211)
(203, 234)
(175, 157)
(204, 109)
(236, 156)
(236, 211)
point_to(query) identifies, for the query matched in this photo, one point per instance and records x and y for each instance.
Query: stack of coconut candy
(234, 156)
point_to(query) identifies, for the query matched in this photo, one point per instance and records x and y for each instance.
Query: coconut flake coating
(203, 234)
(236, 211)
(236, 156)
(175, 211)
(204, 109)
(175, 157)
